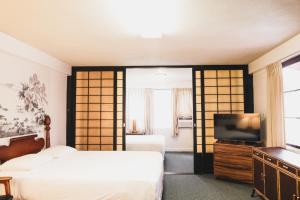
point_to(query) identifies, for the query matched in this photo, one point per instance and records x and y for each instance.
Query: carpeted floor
(199, 187)
(179, 162)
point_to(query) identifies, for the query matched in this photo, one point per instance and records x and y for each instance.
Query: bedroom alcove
(159, 111)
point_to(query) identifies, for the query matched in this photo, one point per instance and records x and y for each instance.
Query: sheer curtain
(148, 116)
(139, 110)
(135, 109)
(182, 102)
(275, 107)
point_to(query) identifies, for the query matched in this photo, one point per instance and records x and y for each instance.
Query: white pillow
(57, 151)
(24, 163)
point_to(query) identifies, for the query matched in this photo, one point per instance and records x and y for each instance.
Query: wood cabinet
(270, 177)
(288, 187)
(276, 173)
(298, 188)
(258, 175)
(233, 161)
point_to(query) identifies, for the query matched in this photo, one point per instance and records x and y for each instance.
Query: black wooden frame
(71, 103)
(203, 163)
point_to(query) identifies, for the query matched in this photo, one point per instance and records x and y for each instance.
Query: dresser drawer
(287, 167)
(258, 154)
(270, 159)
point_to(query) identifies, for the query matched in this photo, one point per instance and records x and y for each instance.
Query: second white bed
(146, 143)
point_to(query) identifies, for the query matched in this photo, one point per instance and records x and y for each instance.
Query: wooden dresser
(233, 162)
(276, 173)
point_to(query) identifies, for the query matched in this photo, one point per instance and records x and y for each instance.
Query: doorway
(159, 105)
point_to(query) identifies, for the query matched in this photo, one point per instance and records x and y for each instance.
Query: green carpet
(179, 162)
(204, 187)
(198, 187)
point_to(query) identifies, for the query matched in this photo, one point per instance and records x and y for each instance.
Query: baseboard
(179, 149)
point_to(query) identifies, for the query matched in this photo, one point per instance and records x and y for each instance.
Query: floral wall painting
(22, 107)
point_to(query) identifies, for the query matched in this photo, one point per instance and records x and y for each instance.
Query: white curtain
(275, 106)
(182, 103)
(138, 109)
(135, 109)
(148, 115)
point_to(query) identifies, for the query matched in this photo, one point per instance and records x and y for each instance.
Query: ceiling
(159, 78)
(108, 32)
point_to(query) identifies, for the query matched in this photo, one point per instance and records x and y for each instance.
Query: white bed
(57, 174)
(145, 143)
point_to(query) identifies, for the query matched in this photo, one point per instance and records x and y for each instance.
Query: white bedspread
(92, 176)
(145, 143)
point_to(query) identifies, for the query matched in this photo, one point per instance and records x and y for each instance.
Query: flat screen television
(237, 127)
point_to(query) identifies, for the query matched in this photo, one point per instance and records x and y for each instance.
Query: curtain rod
(290, 56)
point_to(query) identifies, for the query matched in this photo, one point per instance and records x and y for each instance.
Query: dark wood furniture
(20, 146)
(47, 122)
(233, 162)
(6, 182)
(276, 173)
(24, 145)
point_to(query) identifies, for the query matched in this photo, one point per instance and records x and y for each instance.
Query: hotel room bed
(75, 175)
(146, 143)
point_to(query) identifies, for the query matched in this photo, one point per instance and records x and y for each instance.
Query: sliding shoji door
(98, 109)
(217, 90)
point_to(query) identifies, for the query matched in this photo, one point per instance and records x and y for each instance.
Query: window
(291, 87)
(162, 109)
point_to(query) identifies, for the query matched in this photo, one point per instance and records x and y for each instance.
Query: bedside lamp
(134, 126)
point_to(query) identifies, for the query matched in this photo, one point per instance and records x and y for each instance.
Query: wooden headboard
(28, 144)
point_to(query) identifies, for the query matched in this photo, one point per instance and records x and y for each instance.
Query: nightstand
(6, 182)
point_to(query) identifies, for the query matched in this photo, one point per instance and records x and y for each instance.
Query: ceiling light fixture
(146, 18)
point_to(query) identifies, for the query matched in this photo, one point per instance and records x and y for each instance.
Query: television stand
(233, 161)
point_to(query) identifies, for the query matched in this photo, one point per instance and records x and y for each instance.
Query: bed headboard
(28, 144)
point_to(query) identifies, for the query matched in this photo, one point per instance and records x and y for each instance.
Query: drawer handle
(269, 159)
(285, 167)
(257, 154)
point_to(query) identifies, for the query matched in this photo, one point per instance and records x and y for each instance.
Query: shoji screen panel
(98, 110)
(223, 93)
(120, 111)
(198, 111)
(217, 89)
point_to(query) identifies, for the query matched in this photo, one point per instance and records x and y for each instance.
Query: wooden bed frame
(28, 144)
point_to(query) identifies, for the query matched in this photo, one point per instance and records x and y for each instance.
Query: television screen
(237, 127)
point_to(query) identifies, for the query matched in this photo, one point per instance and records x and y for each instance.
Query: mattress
(93, 176)
(145, 143)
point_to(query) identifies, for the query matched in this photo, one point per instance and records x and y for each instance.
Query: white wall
(260, 96)
(18, 61)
